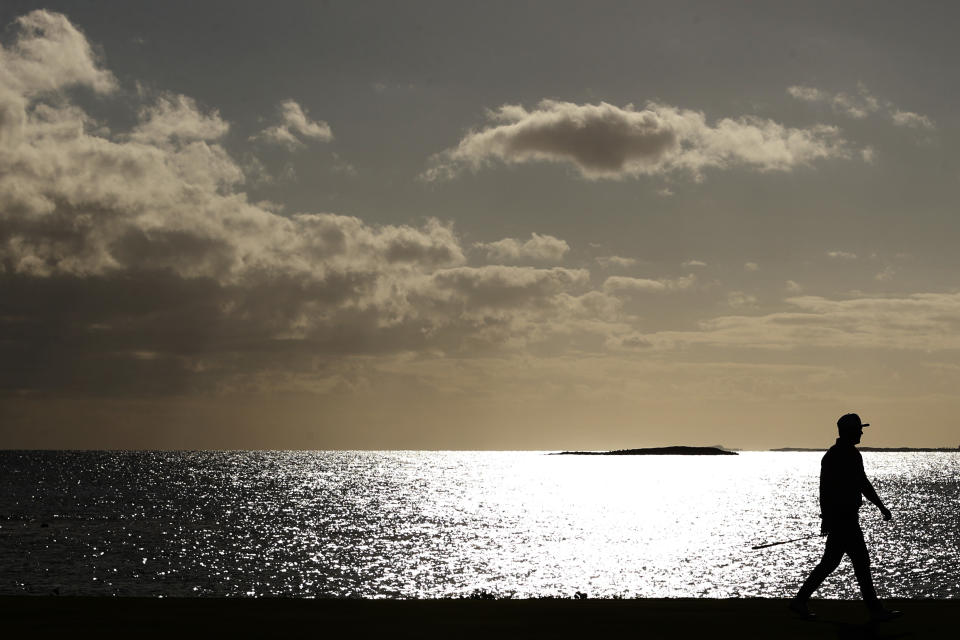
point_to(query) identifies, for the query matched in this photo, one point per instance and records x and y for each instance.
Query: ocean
(432, 524)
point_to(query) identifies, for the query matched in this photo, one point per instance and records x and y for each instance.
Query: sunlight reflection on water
(433, 524)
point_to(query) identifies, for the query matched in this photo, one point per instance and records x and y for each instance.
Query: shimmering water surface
(405, 524)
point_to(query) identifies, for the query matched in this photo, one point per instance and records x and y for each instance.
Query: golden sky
(540, 225)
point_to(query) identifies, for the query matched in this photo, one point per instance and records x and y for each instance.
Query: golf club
(773, 544)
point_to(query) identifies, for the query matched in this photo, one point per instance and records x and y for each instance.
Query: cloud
(623, 284)
(842, 255)
(294, 127)
(793, 287)
(603, 141)
(923, 322)
(912, 120)
(807, 94)
(739, 300)
(751, 266)
(608, 262)
(177, 117)
(886, 275)
(343, 167)
(48, 54)
(693, 263)
(499, 286)
(861, 105)
(543, 248)
(857, 106)
(164, 196)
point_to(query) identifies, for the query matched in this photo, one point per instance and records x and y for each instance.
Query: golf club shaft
(773, 544)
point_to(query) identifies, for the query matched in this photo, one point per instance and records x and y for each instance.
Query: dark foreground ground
(66, 617)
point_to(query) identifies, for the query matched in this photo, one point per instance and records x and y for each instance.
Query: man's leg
(832, 555)
(860, 557)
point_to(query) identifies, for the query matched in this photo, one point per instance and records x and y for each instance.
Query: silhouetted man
(843, 485)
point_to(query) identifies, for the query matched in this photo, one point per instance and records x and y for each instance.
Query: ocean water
(413, 524)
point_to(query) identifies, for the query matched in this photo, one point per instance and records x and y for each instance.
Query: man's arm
(870, 494)
(825, 522)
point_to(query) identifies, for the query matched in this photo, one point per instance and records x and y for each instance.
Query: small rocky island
(655, 451)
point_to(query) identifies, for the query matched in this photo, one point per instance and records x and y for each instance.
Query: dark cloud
(106, 335)
(604, 141)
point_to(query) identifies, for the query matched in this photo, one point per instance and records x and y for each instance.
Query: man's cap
(850, 421)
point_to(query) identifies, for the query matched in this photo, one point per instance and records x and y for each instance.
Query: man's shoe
(884, 615)
(799, 607)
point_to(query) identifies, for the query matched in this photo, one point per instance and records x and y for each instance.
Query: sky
(461, 225)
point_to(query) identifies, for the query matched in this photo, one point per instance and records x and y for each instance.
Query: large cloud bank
(138, 251)
(603, 141)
